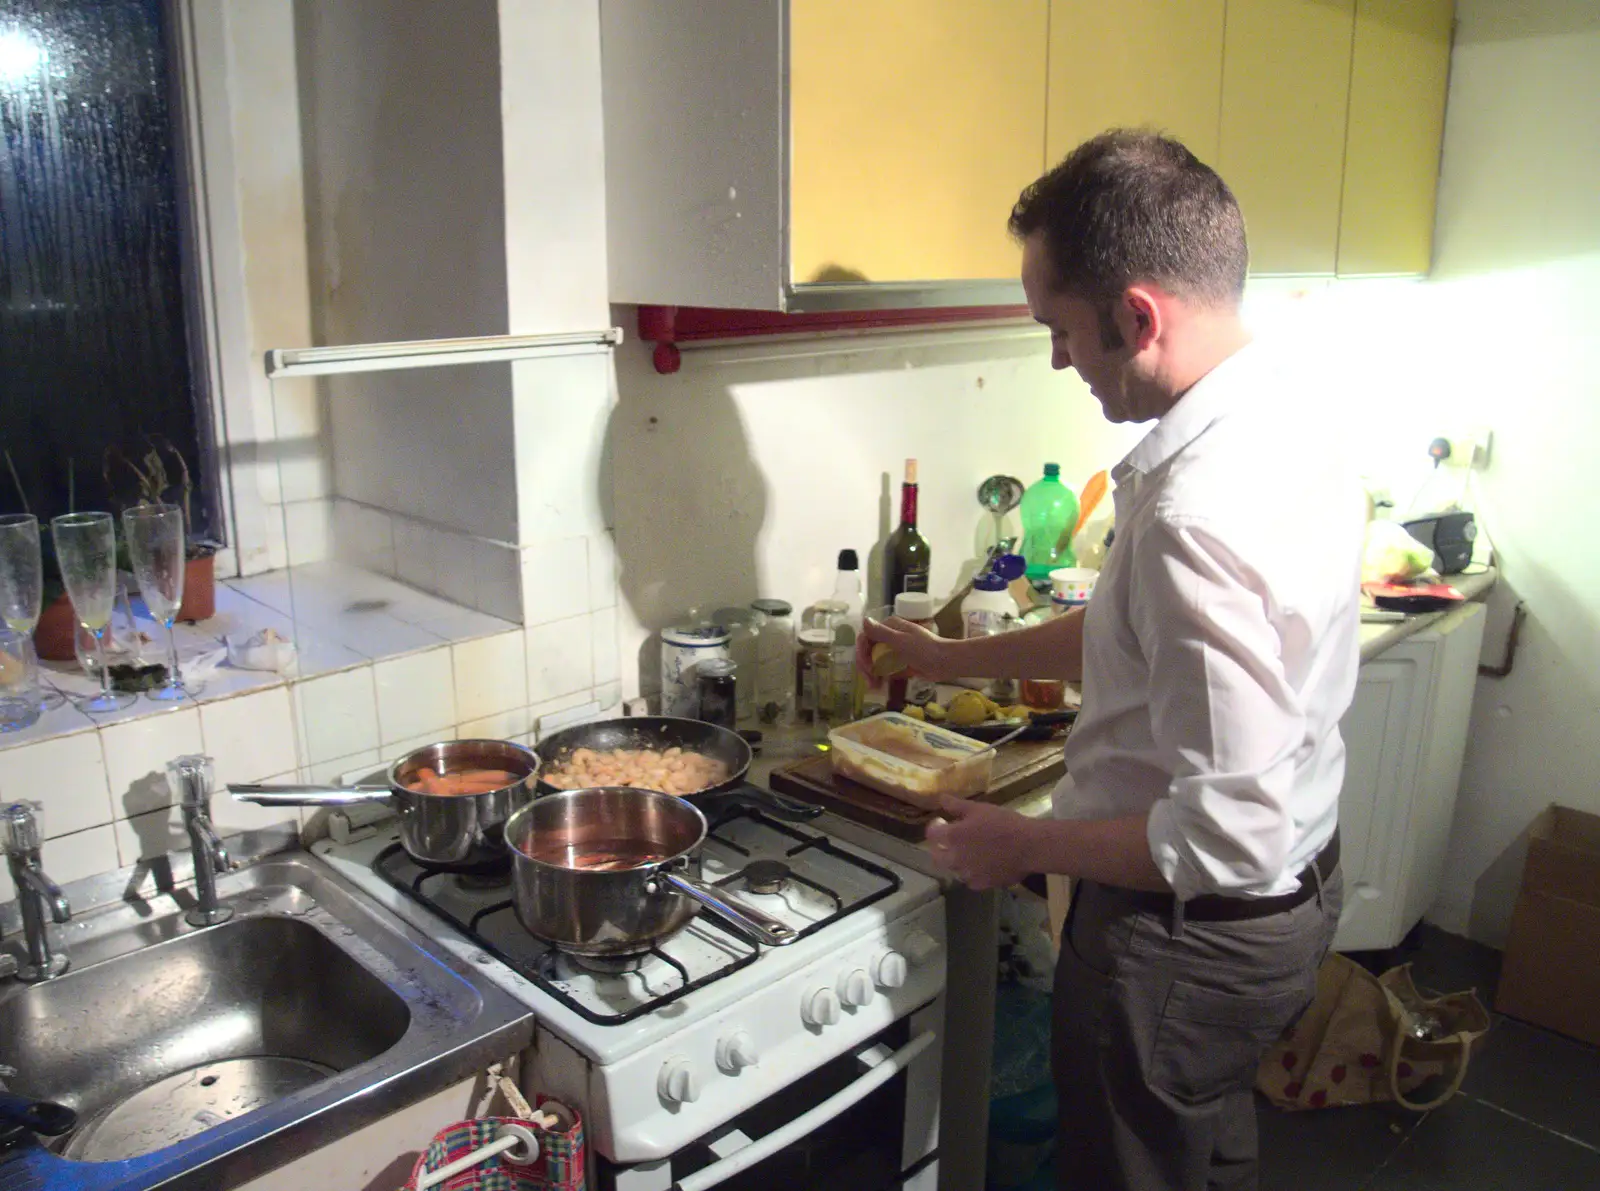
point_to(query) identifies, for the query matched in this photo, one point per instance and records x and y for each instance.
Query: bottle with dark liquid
(905, 553)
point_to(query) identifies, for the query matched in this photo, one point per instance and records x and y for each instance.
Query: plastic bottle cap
(1010, 566)
(915, 605)
(848, 561)
(1052, 469)
(989, 581)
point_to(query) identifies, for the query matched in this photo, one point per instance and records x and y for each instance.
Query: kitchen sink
(203, 1057)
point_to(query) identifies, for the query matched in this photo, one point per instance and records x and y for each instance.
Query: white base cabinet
(1405, 735)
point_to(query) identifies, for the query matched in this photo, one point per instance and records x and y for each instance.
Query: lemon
(914, 712)
(935, 712)
(967, 708)
(885, 661)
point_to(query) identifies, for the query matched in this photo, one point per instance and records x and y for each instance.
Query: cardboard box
(1551, 972)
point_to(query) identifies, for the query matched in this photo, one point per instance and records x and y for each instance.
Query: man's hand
(984, 846)
(921, 651)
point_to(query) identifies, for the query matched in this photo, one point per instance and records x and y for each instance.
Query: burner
(477, 882)
(766, 876)
(606, 965)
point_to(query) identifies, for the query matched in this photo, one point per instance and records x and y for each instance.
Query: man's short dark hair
(1130, 206)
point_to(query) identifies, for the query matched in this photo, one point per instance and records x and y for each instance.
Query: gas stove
(662, 1050)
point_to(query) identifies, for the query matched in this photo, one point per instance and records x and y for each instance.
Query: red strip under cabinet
(668, 326)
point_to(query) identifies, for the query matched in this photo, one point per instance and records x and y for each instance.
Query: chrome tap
(190, 781)
(36, 893)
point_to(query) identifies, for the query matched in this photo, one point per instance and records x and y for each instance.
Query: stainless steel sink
(203, 1057)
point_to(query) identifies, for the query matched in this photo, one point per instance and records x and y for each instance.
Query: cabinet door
(914, 125)
(1380, 768)
(1140, 62)
(1285, 88)
(1399, 73)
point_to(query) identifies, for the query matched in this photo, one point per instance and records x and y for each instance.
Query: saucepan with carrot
(453, 799)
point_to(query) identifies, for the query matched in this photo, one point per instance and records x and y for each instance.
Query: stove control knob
(855, 988)
(678, 1083)
(919, 947)
(890, 969)
(821, 1008)
(737, 1051)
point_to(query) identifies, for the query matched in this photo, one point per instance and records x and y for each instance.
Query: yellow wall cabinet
(819, 154)
(836, 154)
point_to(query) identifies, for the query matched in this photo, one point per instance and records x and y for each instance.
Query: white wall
(1519, 275)
(745, 473)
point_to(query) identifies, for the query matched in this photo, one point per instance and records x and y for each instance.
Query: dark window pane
(93, 342)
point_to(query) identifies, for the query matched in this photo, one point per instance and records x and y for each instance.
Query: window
(96, 352)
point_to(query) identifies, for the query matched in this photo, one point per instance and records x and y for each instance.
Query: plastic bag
(1392, 555)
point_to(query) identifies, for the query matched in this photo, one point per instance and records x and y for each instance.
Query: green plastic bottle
(1049, 512)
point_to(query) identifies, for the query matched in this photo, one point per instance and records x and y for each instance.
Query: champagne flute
(155, 541)
(22, 584)
(86, 548)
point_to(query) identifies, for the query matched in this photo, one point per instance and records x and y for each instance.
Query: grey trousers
(1158, 1033)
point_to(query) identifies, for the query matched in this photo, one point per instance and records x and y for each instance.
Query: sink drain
(187, 1103)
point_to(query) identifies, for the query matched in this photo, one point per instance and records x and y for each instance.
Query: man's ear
(1139, 317)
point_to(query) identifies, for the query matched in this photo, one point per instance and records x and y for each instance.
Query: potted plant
(148, 481)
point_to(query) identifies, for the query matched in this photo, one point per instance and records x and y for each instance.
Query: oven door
(867, 1120)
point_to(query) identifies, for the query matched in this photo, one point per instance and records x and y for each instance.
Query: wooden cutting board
(1018, 767)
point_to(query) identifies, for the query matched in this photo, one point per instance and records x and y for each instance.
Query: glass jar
(774, 676)
(821, 620)
(814, 665)
(744, 644)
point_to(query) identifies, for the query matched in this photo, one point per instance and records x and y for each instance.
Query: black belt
(1213, 907)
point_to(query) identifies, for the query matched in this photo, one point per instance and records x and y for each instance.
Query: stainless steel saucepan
(460, 832)
(607, 871)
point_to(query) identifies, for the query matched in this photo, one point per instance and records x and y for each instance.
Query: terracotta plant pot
(52, 638)
(199, 590)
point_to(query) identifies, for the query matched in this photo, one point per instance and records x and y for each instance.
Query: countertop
(1375, 638)
(786, 743)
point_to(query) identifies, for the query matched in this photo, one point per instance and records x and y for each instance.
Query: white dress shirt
(1221, 645)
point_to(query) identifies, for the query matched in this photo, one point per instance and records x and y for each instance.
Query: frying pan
(665, 732)
(1042, 727)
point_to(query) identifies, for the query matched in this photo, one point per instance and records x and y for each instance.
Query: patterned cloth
(559, 1166)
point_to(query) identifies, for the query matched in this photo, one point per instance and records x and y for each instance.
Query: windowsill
(339, 617)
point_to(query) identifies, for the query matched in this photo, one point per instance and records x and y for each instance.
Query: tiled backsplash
(104, 789)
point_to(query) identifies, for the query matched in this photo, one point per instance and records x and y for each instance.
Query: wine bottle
(905, 553)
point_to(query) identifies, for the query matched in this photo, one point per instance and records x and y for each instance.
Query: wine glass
(154, 534)
(22, 584)
(86, 549)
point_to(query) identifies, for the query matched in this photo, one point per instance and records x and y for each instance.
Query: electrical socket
(1469, 447)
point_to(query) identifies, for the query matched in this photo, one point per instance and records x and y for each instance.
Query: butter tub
(909, 759)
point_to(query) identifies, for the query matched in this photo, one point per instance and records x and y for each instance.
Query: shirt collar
(1211, 397)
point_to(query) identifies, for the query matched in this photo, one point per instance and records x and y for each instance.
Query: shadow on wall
(697, 551)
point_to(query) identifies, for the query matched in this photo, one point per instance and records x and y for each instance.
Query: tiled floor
(1527, 1117)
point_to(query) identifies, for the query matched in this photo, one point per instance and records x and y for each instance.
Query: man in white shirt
(1216, 658)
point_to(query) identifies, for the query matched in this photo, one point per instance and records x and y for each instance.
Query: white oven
(712, 1061)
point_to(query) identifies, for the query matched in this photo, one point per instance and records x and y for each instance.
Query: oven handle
(808, 1121)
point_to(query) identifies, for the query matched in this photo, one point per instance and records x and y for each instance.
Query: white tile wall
(250, 736)
(560, 658)
(338, 714)
(309, 526)
(498, 568)
(602, 571)
(416, 696)
(334, 771)
(136, 755)
(507, 725)
(491, 675)
(363, 536)
(603, 631)
(67, 776)
(555, 580)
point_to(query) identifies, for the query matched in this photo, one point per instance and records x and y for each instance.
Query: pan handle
(776, 805)
(766, 928)
(293, 794)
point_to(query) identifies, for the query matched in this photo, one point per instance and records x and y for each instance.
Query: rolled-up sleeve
(1227, 724)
